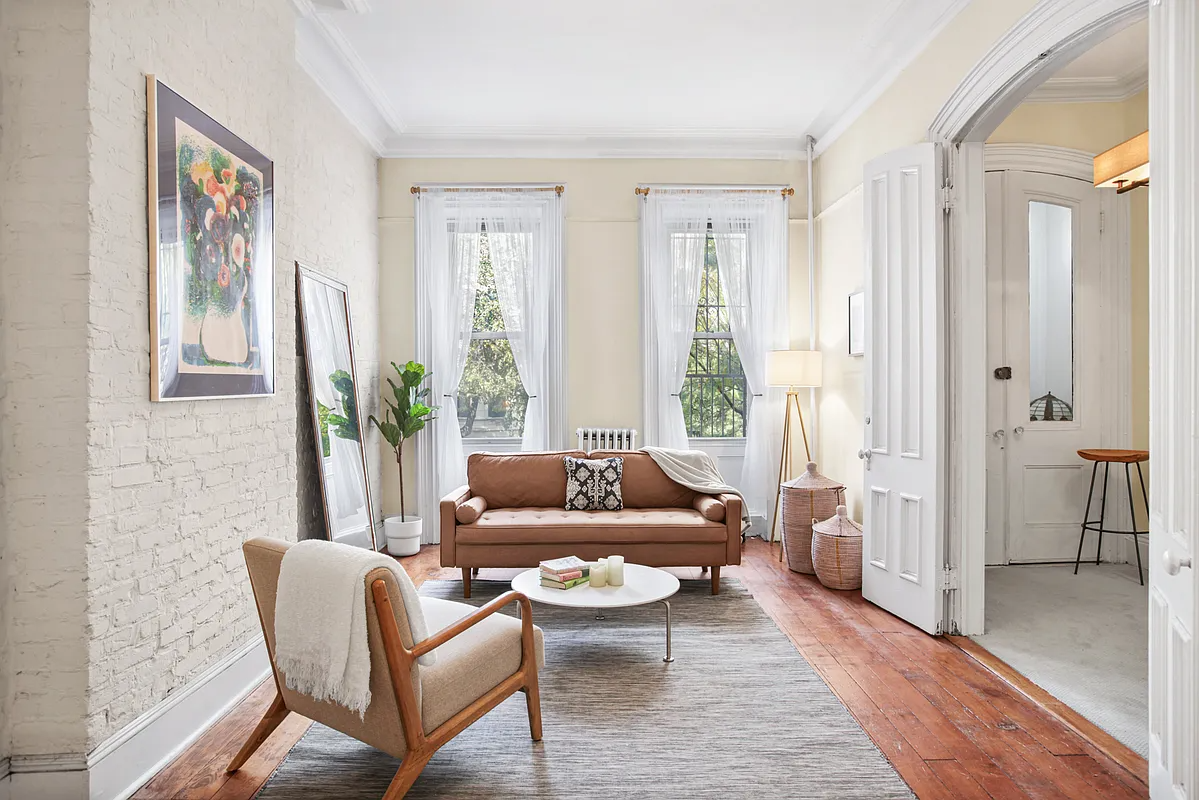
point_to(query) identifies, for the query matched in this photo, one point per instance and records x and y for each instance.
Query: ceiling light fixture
(1125, 166)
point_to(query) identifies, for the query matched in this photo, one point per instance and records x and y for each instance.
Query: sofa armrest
(732, 519)
(449, 523)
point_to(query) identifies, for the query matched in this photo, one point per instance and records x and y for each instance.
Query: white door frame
(1116, 257)
(1050, 35)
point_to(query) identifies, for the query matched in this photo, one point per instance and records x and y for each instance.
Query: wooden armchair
(482, 659)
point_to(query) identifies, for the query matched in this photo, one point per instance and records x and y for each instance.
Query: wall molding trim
(1091, 90)
(122, 763)
(665, 143)
(1064, 161)
(1053, 33)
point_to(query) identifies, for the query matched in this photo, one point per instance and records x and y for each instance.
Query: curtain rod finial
(415, 190)
(788, 192)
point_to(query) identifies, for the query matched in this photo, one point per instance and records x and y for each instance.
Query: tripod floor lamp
(793, 369)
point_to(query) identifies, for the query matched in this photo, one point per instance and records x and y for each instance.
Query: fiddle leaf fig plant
(407, 415)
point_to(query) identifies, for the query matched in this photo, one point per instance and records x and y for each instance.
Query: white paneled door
(1173, 395)
(1052, 328)
(903, 450)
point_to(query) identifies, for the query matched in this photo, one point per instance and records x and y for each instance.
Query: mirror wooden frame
(303, 274)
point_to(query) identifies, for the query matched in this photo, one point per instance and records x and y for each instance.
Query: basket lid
(838, 525)
(811, 479)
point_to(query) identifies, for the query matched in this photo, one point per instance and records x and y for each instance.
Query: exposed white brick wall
(124, 518)
(177, 487)
(44, 238)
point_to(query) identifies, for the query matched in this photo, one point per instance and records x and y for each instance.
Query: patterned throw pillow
(593, 484)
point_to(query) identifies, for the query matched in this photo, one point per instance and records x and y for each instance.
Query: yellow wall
(603, 379)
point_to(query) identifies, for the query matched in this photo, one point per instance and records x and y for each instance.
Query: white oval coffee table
(642, 586)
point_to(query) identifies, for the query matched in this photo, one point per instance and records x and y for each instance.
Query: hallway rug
(1083, 638)
(739, 714)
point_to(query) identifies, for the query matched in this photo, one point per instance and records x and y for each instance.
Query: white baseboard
(5, 783)
(130, 757)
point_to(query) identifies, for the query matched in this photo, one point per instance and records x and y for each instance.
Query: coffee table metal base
(599, 615)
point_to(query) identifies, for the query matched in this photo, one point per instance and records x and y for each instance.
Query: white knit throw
(321, 642)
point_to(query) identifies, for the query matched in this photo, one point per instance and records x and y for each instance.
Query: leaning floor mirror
(333, 399)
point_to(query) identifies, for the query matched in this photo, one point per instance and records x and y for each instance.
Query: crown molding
(1092, 90)
(905, 40)
(531, 143)
(324, 53)
(1053, 33)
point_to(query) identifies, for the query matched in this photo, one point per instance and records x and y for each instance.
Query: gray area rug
(739, 714)
(1083, 638)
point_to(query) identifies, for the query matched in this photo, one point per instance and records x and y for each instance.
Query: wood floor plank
(951, 728)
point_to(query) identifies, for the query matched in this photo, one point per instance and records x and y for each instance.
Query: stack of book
(564, 573)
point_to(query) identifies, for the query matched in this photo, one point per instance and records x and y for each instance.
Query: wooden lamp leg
(782, 462)
(270, 720)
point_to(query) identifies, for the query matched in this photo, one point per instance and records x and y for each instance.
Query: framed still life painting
(211, 215)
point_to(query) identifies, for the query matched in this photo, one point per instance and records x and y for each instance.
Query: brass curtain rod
(785, 192)
(558, 190)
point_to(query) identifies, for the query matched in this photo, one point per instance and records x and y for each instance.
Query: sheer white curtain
(524, 229)
(447, 267)
(674, 230)
(750, 232)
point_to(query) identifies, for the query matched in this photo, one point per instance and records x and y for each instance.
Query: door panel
(904, 410)
(1173, 394)
(1053, 327)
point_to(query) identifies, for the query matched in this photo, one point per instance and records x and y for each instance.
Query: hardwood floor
(952, 728)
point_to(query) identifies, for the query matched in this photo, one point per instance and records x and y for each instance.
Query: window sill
(720, 446)
(507, 444)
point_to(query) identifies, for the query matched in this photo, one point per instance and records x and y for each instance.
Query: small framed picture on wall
(857, 324)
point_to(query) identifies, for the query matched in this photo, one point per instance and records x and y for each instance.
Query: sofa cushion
(645, 485)
(515, 480)
(710, 507)
(469, 511)
(593, 484)
(542, 525)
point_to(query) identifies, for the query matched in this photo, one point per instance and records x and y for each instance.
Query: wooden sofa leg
(716, 580)
(466, 583)
(703, 570)
(266, 726)
(410, 769)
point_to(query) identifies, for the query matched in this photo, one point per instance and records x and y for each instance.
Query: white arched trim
(1067, 161)
(1050, 35)
(1053, 33)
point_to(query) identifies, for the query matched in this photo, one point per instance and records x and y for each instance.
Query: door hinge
(949, 578)
(948, 198)
(1101, 221)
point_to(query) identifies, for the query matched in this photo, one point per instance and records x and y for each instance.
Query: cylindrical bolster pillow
(711, 508)
(472, 509)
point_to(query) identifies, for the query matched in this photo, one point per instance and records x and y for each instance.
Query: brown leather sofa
(512, 513)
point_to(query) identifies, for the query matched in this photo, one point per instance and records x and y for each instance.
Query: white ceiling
(1111, 71)
(622, 77)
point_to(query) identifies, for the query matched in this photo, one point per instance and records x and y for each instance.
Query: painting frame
(857, 324)
(211, 336)
(305, 273)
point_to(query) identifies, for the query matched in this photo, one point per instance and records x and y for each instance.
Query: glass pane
(491, 398)
(714, 394)
(1050, 312)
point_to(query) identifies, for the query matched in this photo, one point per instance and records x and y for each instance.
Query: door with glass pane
(1056, 333)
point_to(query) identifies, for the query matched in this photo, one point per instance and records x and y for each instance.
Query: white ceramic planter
(403, 535)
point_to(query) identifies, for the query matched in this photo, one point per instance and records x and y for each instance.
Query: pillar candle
(599, 575)
(616, 570)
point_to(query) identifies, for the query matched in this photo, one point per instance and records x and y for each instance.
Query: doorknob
(1173, 563)
(1018, 430)
(998, 435)
(864, 455)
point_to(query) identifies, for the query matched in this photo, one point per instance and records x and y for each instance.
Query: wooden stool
(1107, 458)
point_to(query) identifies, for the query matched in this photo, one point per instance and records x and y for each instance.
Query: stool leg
(1086, 515)
(1132, 512)
(1107, 471)
(1144, 494)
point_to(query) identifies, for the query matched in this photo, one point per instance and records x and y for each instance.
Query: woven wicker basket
(809, 497)
(837, 551)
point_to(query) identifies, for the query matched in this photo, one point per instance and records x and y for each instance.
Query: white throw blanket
(321, 642)
(697, 471)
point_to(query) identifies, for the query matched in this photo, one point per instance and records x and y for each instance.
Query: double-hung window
(714, 396)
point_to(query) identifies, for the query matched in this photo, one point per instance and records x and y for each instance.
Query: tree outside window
(491, 398)
(715, 395)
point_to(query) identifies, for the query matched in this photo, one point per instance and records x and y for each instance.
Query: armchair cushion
(470, 664)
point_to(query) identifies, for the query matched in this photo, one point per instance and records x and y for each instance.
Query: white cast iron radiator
(607, 439)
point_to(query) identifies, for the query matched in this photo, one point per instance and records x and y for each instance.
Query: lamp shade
(1124, 165)
(794, 368)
